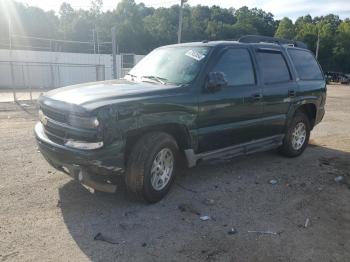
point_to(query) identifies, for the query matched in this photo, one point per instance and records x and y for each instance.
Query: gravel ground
(45, 216)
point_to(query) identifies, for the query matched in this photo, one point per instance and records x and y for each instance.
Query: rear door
(278, 89)
(231, 115)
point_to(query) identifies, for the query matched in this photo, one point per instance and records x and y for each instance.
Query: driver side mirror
(216, 81)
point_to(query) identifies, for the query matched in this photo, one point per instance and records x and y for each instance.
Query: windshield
(170, 65)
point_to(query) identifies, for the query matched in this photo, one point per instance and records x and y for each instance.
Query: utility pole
(179, 33)
(98, 43)
(11, 64)
(94, 39)
(114, 51)
(10, 39)
(318, 42)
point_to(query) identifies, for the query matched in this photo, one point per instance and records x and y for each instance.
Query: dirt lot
(45, 216)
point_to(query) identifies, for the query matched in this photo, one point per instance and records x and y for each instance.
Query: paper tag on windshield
(195, 55)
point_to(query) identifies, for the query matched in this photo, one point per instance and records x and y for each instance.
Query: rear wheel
(151, 166)
(297, 136)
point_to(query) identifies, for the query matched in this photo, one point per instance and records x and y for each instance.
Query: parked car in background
(198, 101)
(344, 79)
(337, 77)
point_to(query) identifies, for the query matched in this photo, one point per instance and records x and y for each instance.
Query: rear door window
(305, 64)
(273, 67)
(236, 65)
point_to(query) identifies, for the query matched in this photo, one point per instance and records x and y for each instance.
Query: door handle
(257, 97)
(291, 93)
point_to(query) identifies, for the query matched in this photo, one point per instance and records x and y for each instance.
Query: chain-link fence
(24, 74)
(28, 79)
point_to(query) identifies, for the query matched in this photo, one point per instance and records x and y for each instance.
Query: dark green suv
(196, 101)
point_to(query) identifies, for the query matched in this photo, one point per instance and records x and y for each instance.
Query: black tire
(287, 148)
(138, 174)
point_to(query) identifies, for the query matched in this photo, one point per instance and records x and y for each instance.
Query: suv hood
(98, 92)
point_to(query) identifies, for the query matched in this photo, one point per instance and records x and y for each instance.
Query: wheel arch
(179, 132)
(309, 108)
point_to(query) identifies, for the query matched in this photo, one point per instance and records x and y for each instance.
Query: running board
(254, 146)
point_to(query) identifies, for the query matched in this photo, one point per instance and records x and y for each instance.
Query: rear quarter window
(305, 64)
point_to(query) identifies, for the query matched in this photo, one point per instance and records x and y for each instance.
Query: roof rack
(273, 40)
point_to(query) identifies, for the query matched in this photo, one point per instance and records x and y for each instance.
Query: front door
(231, 115)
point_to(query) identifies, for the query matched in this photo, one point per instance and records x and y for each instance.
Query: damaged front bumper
(98, 169)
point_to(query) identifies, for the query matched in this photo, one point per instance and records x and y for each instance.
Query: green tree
(285, 29)
(262, 22)
(26, 21)
(342, 47)
(67, 15)
(199, 18)
(162, 26)
(131, 35)
(307, 32)
(96, 7)
(141, 28)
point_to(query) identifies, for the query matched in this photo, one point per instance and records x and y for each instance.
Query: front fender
(152, 112)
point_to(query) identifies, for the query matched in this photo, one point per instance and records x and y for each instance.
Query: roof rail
(268, 39)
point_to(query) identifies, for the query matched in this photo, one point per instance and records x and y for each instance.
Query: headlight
(83, 122)
(83, 145)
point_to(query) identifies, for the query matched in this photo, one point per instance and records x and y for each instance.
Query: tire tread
(137, 163)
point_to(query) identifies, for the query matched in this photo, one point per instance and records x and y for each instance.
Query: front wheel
(297, 136)
(151, 166)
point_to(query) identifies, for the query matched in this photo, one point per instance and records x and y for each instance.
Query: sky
(280, 8)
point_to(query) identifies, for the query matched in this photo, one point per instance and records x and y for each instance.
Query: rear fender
(297, 105)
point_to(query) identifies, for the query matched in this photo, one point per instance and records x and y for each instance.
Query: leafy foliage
(141, 29)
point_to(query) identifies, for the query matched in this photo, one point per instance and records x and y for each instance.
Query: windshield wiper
(130, 76)
(158, 79)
